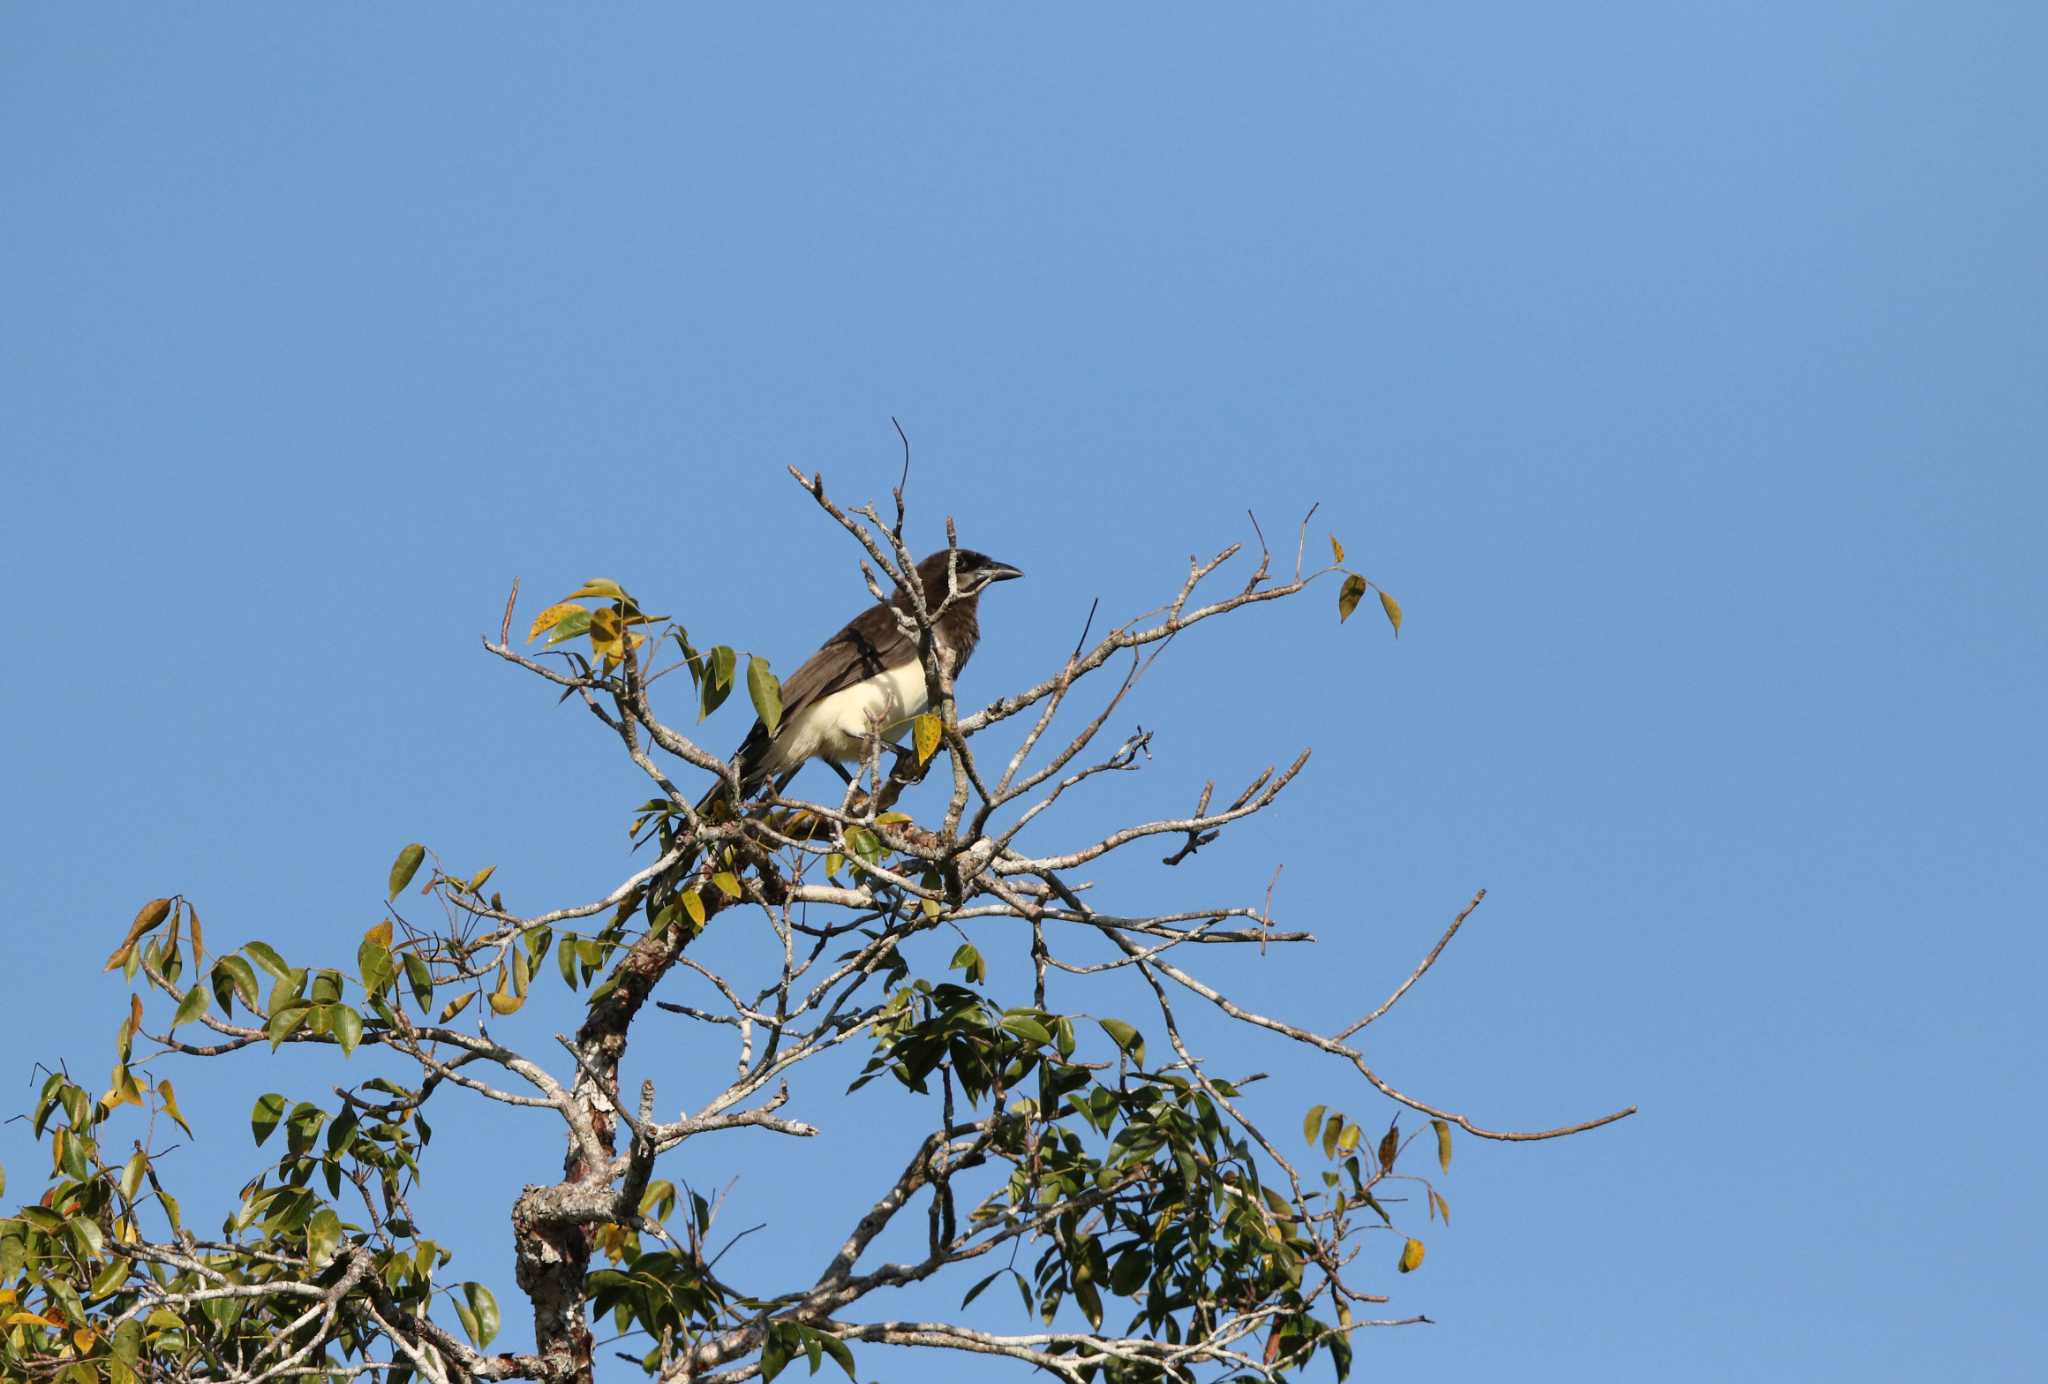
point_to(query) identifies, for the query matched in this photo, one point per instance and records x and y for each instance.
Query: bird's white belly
(837, 726)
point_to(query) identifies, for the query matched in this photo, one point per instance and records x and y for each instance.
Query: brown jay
(866, 679)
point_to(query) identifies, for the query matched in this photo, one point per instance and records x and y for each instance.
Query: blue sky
(1679, 366)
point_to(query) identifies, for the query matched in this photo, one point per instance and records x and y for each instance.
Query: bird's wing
(867, 644)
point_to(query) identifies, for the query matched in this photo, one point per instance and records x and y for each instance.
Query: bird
(867, 679)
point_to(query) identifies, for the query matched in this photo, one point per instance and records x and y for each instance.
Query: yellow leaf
(728, 884)
(30, 1319)
(122, 1092)
(1443, 1144)
(152, 915)
(1348, 596)
(1336, 547)
(1348, 1140)
(1393, 609)
(694, 906)
(1411, 1257)
(456, 1005)
(549, 618)
(476, 881)
(380, 934)
(605, 631)
(1443, 1208)
(170, 1099)
(927, 732)
(504, 1003)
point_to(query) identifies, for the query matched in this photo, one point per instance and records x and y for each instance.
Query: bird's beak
(1002, 571)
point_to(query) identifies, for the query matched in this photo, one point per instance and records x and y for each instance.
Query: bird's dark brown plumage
(871, 645)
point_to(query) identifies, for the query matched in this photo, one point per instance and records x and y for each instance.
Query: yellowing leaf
(601, 586)
(380, 934)
(926, 731)
(169, 1097)
(476, 881)
(1443, 1207)
(505, 1003)
(134, 1024)
(1336, 547)
(1311, 1126)
(694, 906)
(1348, 596)
(1393, 609)
(728, 883)
(456, 1005)
(1443, 1144)
(152, 915)
(549, 618)
(404, 868)
(198, 938)
(1411, 1256)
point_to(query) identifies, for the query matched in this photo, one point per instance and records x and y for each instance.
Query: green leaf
(347, 1027)
(422, 981)
(727, 883)
(285, 1020)
(1027, 1028)
(373, 964)
(131, 1174)
(263, 1118)
(1348, 596)
(240, 979)
(323, 1237)
(1313, 1123)
(967, 957)
(572, 625)
(837, 1349)
(485, 1309)
(404, 868)
(1393, 609)
(192, 1006)
(1126, 1037)
(267, 957)
(766, 692)
(718, 670)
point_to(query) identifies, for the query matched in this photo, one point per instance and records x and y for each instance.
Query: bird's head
(972, 571)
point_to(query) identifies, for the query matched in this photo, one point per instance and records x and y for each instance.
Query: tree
(1118, 1183)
